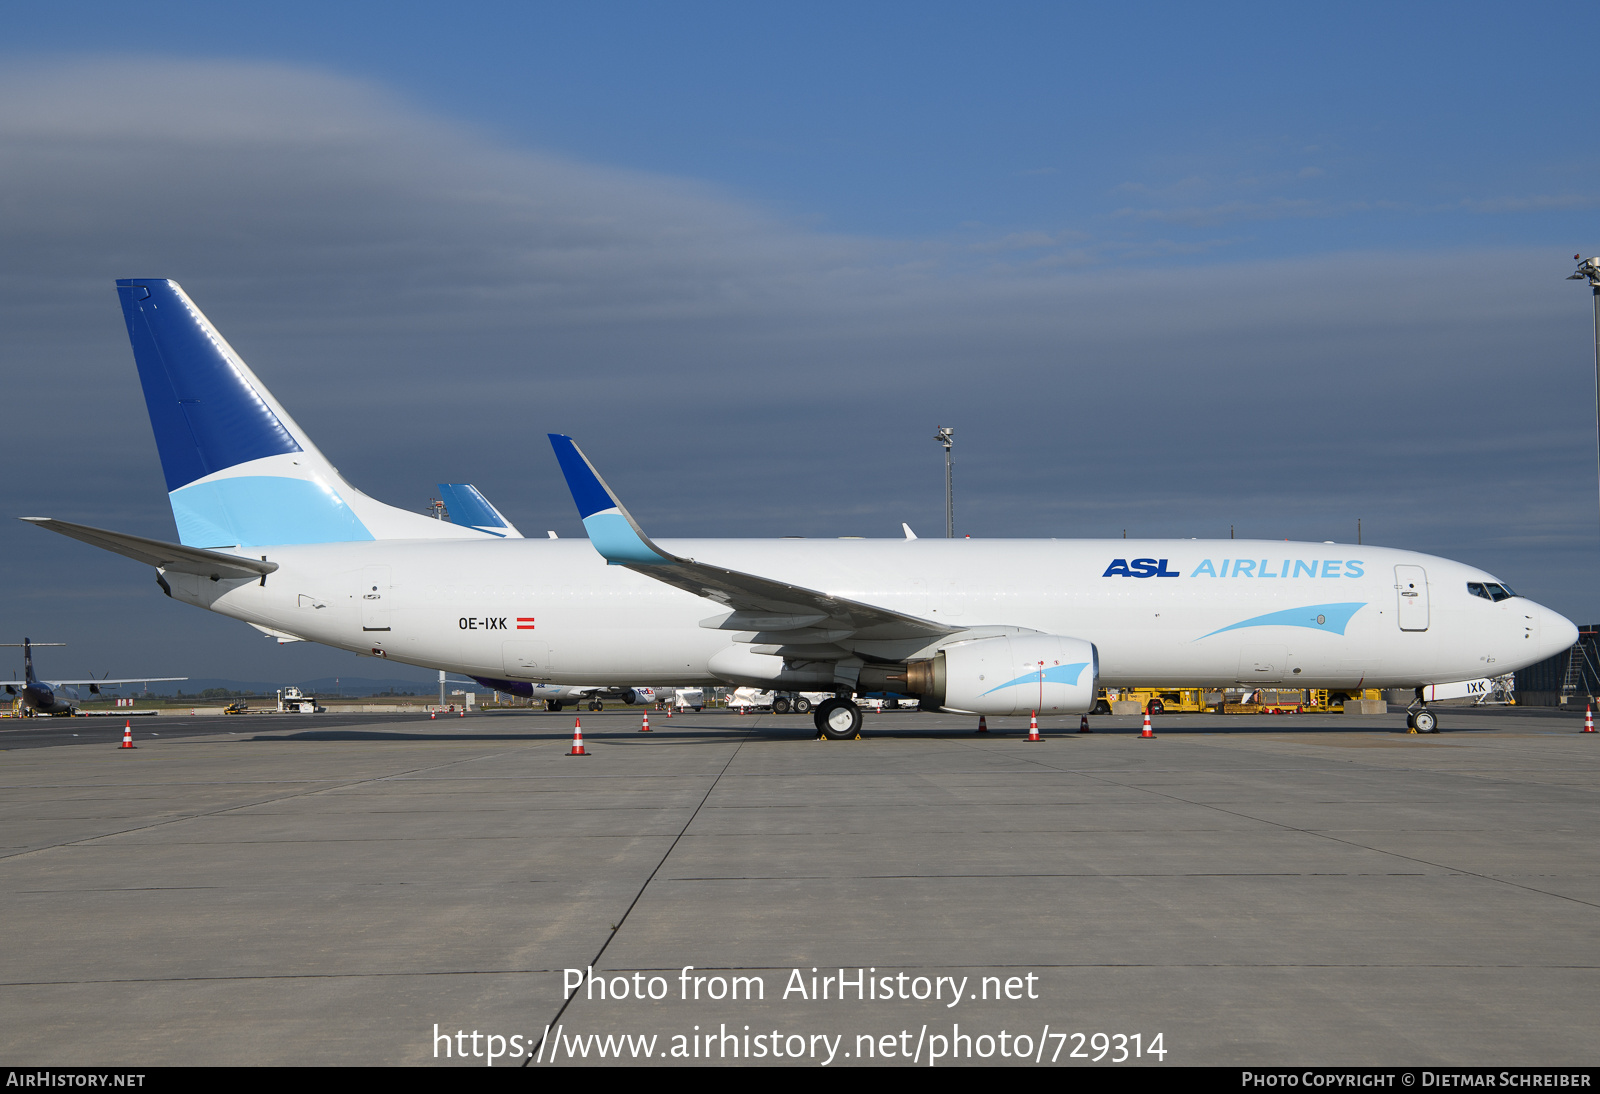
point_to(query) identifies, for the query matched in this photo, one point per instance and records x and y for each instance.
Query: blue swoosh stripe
(1059, 674)
(1318, 617)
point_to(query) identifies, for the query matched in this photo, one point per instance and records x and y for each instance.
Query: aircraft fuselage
(1206, 613)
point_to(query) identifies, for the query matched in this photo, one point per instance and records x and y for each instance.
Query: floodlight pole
(946, 437)
(1589, 270)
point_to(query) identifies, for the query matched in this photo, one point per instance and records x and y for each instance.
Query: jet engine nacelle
(1010, 674)
(632, 696)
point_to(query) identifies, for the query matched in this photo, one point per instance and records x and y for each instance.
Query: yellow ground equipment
(1159, 700)
(1193, 700)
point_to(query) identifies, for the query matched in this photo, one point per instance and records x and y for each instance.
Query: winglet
(612, 531)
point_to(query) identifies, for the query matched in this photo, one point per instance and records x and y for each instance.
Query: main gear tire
(839, 720)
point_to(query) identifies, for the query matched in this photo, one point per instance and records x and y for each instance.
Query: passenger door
(1411, 589)
(373, 594)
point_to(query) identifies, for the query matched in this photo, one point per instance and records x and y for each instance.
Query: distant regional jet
(272, 534)
(57, 696)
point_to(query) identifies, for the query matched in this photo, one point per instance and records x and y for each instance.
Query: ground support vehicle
(1160, 700)
(293, 701)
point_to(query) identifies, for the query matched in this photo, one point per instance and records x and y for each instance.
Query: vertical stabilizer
(239, 471)
(469, 508)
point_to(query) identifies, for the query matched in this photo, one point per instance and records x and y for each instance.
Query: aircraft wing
(166, 556)
(781, 613)
(96, 680)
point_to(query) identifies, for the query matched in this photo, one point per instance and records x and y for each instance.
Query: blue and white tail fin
(240, 472)
(467, 507)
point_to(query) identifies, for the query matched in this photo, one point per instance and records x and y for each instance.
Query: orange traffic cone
(646, 727)
(1147, 735)
(1588, 718)
(127, 735)
(577, 738)
(669, 711)
(463, 712)
(1033, 727)
(433, 716)
(1083, 725)
(983, 724)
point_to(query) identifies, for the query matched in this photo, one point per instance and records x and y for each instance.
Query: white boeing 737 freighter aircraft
(271, 534)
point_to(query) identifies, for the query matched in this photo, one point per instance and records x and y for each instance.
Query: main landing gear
(838, 719)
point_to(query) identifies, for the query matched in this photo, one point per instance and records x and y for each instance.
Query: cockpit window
(1490, 591)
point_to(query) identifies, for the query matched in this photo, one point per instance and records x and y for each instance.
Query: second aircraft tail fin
(469, 508)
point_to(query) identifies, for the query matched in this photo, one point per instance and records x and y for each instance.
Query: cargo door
(1262, 664)
(373, 595)
(526, 659)
(1411, 588)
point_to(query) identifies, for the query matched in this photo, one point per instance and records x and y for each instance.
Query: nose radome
(1556, 632)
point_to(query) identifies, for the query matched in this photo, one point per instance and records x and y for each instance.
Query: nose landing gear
(1419, 719)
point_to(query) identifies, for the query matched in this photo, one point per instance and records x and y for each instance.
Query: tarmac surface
(326, 889)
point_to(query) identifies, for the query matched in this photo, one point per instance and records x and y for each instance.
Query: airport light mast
(946, 436)
(1589, 270)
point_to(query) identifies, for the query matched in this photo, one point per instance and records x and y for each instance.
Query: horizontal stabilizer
(283, 637)
(165, 556)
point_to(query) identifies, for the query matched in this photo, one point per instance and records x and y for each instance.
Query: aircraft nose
(1557, 634)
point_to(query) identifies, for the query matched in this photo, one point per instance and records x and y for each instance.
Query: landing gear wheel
(1423, 721)
(802, 705)
(838, 719)
(1156, 707)
(552, 706)
(595, 704)
(780, 705)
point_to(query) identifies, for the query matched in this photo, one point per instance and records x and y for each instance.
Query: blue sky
(1168, 269)
(1259, 130)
